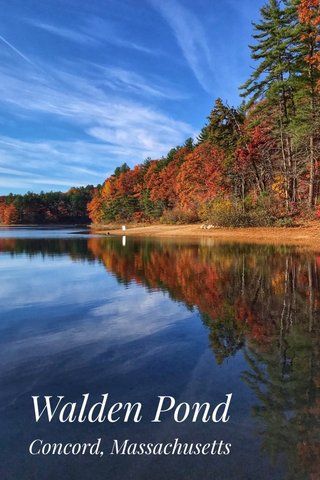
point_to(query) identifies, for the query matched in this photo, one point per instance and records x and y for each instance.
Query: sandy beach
(307, 234)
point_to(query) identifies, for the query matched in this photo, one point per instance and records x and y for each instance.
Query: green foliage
(119, 208)
(151, 210)
(223, 127)
(122, 169)
(52, 207)
(274, 51)
(285, 222)
(189, 144)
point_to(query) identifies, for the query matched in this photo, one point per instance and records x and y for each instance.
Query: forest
(252, 165)
(47, 208)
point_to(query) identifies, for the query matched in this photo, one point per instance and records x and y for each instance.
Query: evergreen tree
(224, 126)
(274, 81)
(122, 169)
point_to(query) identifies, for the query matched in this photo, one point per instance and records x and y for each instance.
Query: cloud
(68, 34)
(109, 32)
(14, 49)
(94, 31)
(81, 101)
(58, 164)
(114, 129)
(98, 115)
(125, 80)
(192, 39)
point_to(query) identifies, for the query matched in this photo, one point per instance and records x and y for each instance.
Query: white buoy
(123, 228)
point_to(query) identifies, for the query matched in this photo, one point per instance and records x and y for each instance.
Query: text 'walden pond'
(56, 408)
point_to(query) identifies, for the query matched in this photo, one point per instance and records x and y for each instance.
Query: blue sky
(87, 85)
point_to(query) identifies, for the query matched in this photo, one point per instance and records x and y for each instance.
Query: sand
(307, 234)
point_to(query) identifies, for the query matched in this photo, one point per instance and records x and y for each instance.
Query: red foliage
(252, 153)
(309, 15)
(152, 180)
(128, 183)
(200, 177)
(162, 184)
(95, 207)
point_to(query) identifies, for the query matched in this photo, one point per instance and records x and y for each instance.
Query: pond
(139, 319)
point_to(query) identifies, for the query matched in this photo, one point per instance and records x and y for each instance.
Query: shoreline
(307, 234)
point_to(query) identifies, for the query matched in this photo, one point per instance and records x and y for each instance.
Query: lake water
(142, 318)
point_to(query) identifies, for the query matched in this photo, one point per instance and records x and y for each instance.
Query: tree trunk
(312, 173)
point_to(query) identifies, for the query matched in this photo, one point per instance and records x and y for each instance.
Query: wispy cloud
(116, 128)
(82, 114)
(124, 80)
(85, 103)
(192, 39)
(14, 49)
(57, 164)
(92, 32)
(66, 33)
(110, 33)
(106, 321)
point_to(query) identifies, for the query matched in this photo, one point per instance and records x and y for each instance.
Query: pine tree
(224, 130)
(273, 81)
(224, 126)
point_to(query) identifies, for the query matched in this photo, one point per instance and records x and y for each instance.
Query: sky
(88, 85)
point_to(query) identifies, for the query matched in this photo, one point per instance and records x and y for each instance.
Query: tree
(273, 81)
(224, 130)
(309, 17)
(254, 154)
(200, 176)
(122, 169)
(224, 126)
(163, 183)
(8, 214)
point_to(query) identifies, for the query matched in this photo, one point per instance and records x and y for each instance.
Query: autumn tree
(309, 48)
(200, 176)
(273, 81)
(8, 214)
(255, 154)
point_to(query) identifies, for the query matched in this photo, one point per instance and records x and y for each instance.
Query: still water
(194, 320)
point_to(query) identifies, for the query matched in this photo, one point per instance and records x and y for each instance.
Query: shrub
(225, 213)
(285, 222)
(218, 212)
(179, 216)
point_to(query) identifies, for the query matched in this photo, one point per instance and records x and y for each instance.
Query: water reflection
(258, 301)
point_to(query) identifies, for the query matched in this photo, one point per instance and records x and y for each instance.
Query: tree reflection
(263, 300)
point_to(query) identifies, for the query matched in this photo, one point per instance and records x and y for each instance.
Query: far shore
(307, 234)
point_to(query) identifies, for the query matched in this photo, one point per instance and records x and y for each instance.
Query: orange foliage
(163, 185)
(200, 177)
(153, 180)
(8, 214)
(309, 15)
(128, 183)
(95, 207)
